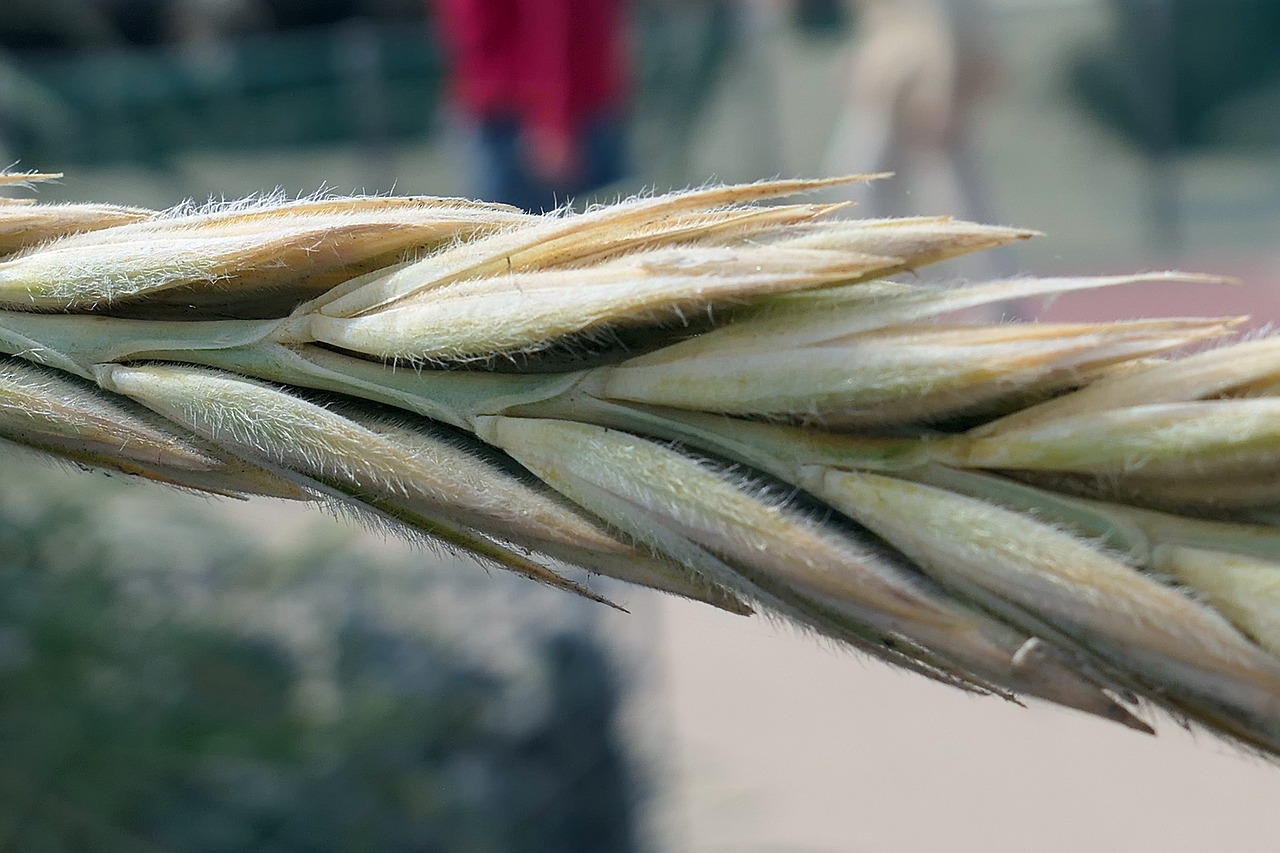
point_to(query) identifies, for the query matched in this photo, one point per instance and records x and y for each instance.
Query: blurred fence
(351, 82)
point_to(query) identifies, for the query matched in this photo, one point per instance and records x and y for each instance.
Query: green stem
(453, 397)
(76, 342)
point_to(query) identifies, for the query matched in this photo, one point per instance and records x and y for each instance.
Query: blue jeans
(503, 173)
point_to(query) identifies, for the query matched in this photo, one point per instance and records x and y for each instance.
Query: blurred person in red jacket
(541, 86)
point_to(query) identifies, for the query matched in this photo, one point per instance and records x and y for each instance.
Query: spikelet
(241, 261)
(704, 394)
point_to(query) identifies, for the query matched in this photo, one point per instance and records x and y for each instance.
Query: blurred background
(181, 674)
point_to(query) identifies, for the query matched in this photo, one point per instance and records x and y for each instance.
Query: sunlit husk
(230, 258)
(23, 225)
(904, 373)
(521, 312)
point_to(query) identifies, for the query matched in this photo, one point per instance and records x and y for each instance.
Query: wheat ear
(704, 394)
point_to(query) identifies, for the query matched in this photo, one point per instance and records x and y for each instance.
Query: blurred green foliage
(162, 688)
(1186, 73)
